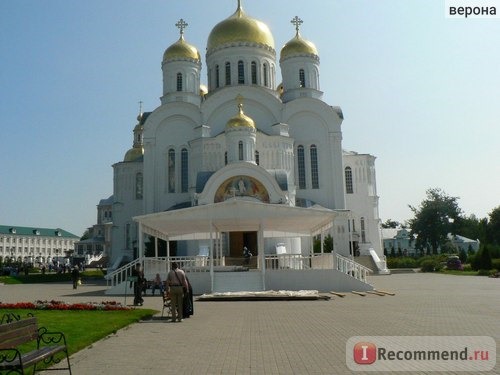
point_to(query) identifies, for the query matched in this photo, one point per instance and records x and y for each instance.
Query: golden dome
(133, 154)
(203, 90)
(298, 46)
(239, 28)
(240, 120)
(181, 50)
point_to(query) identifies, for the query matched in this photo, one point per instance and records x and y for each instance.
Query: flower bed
(60, 305)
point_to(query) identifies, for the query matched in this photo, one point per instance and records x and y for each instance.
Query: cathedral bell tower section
(240, 137)
(181, 68)
(299, 62)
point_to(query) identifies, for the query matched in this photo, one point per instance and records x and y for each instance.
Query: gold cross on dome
(181, 24)
(239, 100)
(297, 22)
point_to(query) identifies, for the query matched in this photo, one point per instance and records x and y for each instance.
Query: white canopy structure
(238, 215)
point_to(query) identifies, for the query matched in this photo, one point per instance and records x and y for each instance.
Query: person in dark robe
(187, 306)
(138, 284)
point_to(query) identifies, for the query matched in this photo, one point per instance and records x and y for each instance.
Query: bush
(467, 267)
(404, 262)
(483, 272)
(482, 260)
(495, 263)
(428, 266)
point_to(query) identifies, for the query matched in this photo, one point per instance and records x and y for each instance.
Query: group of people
(178, 289)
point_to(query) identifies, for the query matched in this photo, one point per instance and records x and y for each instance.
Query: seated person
(157, 284)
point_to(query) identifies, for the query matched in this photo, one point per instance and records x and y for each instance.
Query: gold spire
(297, 22)
(240, 120)
(181, 49)
(298, 45)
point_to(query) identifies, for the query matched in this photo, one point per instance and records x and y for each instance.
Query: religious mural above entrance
(241, 186)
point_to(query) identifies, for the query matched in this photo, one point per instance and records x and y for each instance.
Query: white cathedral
(245, 160)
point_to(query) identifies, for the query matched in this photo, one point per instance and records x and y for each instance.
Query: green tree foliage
(390, 224)
(472, 227)
(327, 244)
(149, 250)
(85, 236)
(482, 260)
(494, 227)
(434, 219)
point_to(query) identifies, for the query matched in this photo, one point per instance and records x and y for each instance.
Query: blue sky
(418, 90)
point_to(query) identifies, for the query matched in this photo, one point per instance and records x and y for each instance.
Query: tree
(86, 235)
(482, 260)
(493, 226)
(390, 224)
(434, 219)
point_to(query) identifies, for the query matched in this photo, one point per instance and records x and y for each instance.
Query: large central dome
(239, 28)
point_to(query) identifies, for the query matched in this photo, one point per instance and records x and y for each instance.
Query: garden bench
(50, 347)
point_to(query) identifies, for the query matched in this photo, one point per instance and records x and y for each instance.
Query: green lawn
(82, 328)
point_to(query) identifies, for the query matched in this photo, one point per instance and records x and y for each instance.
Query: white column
(211, 258)
(156, 247)
(262, 255)
(141, 242)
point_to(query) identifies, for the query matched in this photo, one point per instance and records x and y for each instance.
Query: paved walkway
(281, 337)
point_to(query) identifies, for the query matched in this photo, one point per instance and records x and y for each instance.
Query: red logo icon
(365, 353)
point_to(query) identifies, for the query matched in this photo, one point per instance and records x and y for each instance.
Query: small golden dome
(203, 90)
(240, 120)
(239, 28)
(133, 154)
(181, 50)
(298, 46)
(280, 89)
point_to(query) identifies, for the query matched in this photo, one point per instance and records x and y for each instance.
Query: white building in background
(247, 135)
(35, 245)
(98, 242)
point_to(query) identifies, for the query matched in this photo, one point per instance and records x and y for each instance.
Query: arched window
(240, 150)
(241, 73)
(225, 158)
(302, 78)
(301, 167)
(217, 76)
(171, 171)
(348, 180)
(266, 72)
(314, 167)
(363, 231)
(257, 157)
(138, 185)
(179, 81)
(184, 170)
(228, 73)
(254, 73)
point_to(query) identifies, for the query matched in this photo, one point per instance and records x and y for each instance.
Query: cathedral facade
(247, 135)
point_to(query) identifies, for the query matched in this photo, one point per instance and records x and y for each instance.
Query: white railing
(318, 262)
(288, 262)
(161, 265)
(89, 258)
(352, 268)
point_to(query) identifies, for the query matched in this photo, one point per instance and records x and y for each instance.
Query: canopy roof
(236, 215)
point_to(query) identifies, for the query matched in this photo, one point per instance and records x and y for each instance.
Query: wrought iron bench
(50, 349)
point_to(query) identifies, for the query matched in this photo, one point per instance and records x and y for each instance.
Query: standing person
(246, 254)
(177, 285)
(75, 276)
(137, 272)
(188, 309)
